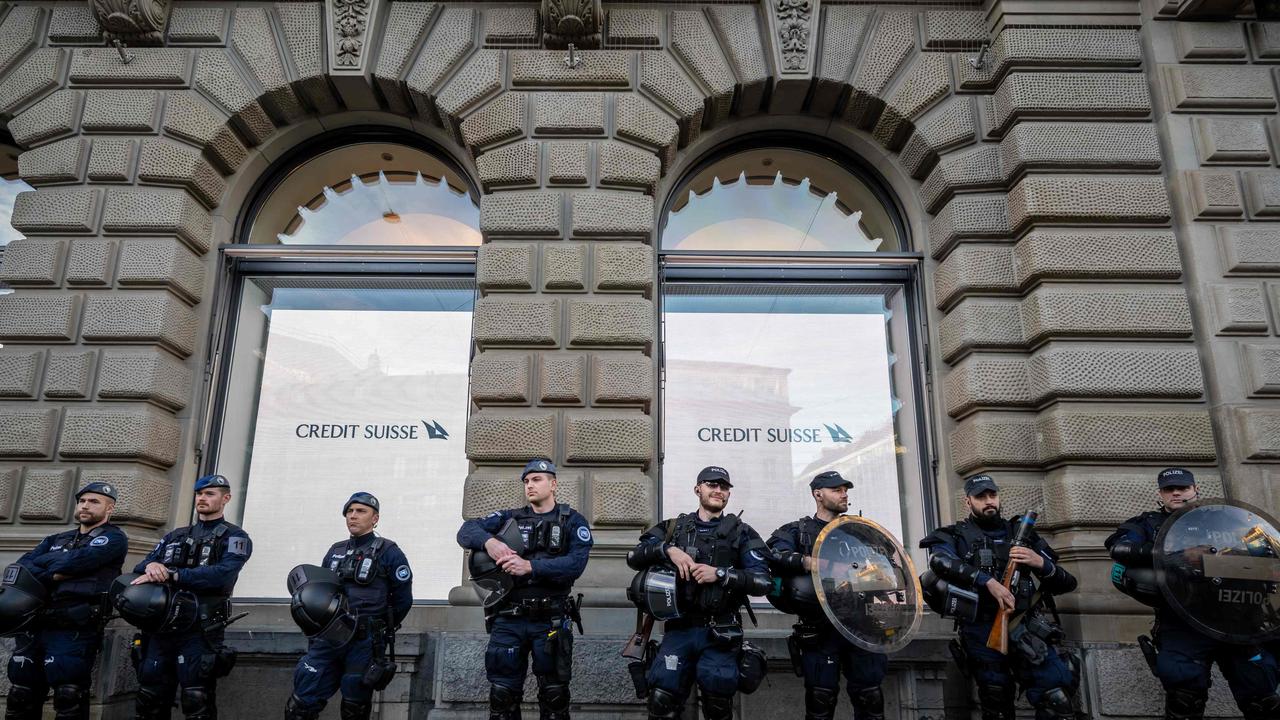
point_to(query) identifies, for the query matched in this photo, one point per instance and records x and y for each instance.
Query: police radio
(365, 572)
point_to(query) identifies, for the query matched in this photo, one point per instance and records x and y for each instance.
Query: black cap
(539, 465)
(100, 488)
(362, 498)
(714, 473)
(828, 479)
(978, 484)
(1175, 477)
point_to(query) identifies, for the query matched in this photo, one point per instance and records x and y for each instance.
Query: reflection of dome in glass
(778, 217)
(381, 212)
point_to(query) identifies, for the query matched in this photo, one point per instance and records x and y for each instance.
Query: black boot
(717, 707)
(1055, 704)
(868, 703)
(664, 705)
(153, 703)
(352, 710)
(293, 710)
(71, 702)
(996, 701)
(1185, 704)
(198, 704)
(504, 703)
(24, 704)
(820, 703)
(553, 700)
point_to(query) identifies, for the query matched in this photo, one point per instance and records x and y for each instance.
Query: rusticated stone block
(1266, 41)
(198, 25)
(144, 374)
(38, 318)
(452, 37)
(9, 485)
(1107, 313)
(144, 492)
(37, 75)
(500, 377)
(57, 162)
(623, 165)
(564, 267)
(501, 320)
(842, 31)
(624, 267)
(1036, 47)
(568, 163)
(565, 113)
(46, 494)
(660, 76)
(983, 381)
(302, 23)
(511, 26)
(55, 211)
(129, 432)
(974, 169)
(32, 261)
(478, 79)
(138, 211)
(1078, 146)
(254, 40)
(562, 378)
(162, 263)
(621, 378)
(520, 213)
(132, 111)
(20, 371)
(546, 68)
(511, 165)
(1232, 141)
(150, 66)
(928, 81)
(89, 262)
(1263, 192)
(608, 437)
(633, 27)
(1258, 431)
(140, 317)
(55, 115)
(612, 214)
(694, 43)
(70, 374)
(966, 217)
(953, 29)
(988, 439)
(1093, 200)
(18, 33)
(1104, 498)
(111, 160)
(1218, 88)
(951, 124)
(1238, 309)
(639, 120)
(1214, 194)
(1199, 41)
(973, 269)
(621, 498)
(218, 79)
(510, 436)
(502, 119)
(1250, 250)
(168, 163)
(980, 324)
(190, 117)
(406, 23)
(738, 28)
(506, 266)
(1115, 372)
(27, 432)
(490, 489)
(888, 49)
(612, 321)
(1262, 369)
(1091, 254)
(1053, 94)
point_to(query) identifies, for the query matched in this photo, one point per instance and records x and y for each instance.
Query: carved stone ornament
(572, 21)
(133, 22)
(793, 32)
(350, 22)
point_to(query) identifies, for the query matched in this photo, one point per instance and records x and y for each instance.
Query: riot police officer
(537, 615)
(1185, 656)
(378, 586)
(59, 650)
(824, 652)
(972, 555)
(720, 560)
(205, 559)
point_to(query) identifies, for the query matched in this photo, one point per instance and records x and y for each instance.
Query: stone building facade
(1087, 188)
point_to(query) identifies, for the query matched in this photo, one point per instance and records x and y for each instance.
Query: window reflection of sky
(9, 190)
(378, 211)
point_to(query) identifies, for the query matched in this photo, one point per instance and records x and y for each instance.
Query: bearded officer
(204, 558)
(720, 561)
(1184, 656)
(537, 616)
(78, 566)
(972, 555)
(378, 584)
(824, 652)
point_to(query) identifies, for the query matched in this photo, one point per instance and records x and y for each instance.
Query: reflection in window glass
(339, 386)
(779, 383)
(9, 190)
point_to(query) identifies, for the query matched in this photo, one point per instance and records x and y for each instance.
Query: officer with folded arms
(204, 559)
(58, 649)
(720, 561)
(378, 585)
(1185, 656)
(537, 615)
(824, 652)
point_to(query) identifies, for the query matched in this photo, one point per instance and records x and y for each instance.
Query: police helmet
(492, 583)
(795, 595)
(153, 607)
(318, 605)
(21, 597)
(653, 590)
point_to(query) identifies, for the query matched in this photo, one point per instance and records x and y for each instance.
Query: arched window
(10, 186)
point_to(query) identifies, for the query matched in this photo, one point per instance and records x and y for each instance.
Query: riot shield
(1218, 565)
(866, 584)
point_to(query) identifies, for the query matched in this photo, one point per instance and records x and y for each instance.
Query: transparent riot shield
(1218, 565)
(866, 584)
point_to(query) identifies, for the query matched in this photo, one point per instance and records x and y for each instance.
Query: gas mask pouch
(726, 635)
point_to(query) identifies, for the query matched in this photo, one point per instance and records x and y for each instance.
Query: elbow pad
(1132, 553)
(646, 554)
(789, 560)
(748, 582)
(1059, 582)
(954, 570)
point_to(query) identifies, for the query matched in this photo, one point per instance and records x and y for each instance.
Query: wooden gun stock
(634, 649)
(998, 640)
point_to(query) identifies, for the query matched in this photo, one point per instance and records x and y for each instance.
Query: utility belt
(212, 611)
(74, 614)
(725, 626)
(546, 608)
(370, 626)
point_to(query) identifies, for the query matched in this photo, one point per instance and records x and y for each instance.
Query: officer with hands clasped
(720, 560)
(1185, 656)
(57, 650)
(972, 555)
(536, 616)
(204, 559)
(376, 580)
(823, 652)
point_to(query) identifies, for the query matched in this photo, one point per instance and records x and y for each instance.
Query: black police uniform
(705, 643)
(378, 584)
(1185, 656)
(967, 555)
(536, 618)
(59, 650)
(825, 654)
(206, 559)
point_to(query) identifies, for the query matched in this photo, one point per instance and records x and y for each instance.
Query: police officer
(1186, 656)
(537, 616)
(78, 566)
(378, 584)
(720, 561)
(824, 652)
(206, 559)
(972, 555)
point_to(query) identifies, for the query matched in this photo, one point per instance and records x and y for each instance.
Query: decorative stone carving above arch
(133, 22)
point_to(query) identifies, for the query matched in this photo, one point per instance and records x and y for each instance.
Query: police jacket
(557, 544)
(970, 553)
(375, 576)
(89, 561)
(724, 542)
(789, 545)
(207, 557)
(1133, 546)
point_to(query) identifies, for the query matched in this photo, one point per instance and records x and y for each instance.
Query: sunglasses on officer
(716, 485)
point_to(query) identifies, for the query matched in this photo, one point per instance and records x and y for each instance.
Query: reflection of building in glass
(870, 462)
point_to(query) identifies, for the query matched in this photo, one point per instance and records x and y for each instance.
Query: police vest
(720, 547)
(185, 550)
(991, 555)
(542, 537)
(364, 579)
(95, 583)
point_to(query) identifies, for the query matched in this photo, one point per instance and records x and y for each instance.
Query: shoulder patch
(403, 573)
(238, 546)
(756, 554)
(584, 534)
(495, 513)
(99, 541)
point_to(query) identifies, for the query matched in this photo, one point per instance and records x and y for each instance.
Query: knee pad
(820, 703)
(23, 704)
(1185, 703)
(295, 710)
(1262, 709)
(717, 707)
(1055, 704)
(996, 701)
(70, 702)
(504, 703)
(664, 705)
(197, 704)
(153, 703)
(553, 700)
(868, 703)
(352, 710)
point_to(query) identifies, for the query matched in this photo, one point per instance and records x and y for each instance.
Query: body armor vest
(718, 547)
(185, 550)
(542, 537)
(364, 580)
(991, 555)
(88, 586)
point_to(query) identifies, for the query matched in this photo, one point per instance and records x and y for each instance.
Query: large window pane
(341, 385)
